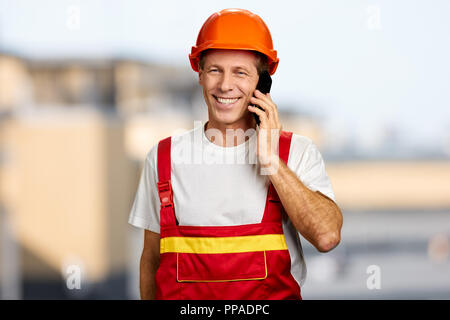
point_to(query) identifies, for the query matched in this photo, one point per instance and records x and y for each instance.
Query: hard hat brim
(197, 50)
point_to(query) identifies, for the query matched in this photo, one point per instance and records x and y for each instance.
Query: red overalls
(223, 262)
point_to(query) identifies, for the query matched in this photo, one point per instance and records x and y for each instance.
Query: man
(217, 229)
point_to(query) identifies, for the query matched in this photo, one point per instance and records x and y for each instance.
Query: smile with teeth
(226, 100)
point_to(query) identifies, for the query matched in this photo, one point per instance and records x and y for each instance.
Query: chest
(219, 194)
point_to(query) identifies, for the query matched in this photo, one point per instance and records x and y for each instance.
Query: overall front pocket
(221, 267)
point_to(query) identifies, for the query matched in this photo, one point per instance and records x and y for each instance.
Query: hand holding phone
(264, 85)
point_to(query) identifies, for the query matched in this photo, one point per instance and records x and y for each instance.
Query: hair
(262, 63)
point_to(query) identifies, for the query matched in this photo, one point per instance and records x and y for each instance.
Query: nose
(226, 82)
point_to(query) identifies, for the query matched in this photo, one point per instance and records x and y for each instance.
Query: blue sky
(361, 66)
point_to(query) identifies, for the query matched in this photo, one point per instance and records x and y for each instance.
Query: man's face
(228, 78)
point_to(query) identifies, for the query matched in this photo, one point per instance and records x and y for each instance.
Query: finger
(273, 105)
(262, 115)
(274, 109)
(269, 106)
(266, 97)
(272, 113)
(269, 97)
(262, 103)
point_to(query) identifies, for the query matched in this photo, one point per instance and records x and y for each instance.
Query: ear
(200, 76)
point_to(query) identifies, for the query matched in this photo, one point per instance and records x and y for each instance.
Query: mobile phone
(264, 85)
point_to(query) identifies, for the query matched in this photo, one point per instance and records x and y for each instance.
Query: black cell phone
(264, 85)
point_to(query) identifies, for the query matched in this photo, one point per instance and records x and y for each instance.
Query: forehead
(231, 57)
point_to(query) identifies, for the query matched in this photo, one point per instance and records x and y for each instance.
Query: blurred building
(73, 137)
(69, 171)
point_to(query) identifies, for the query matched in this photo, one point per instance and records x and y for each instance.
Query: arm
(149, 264)
(314, 215)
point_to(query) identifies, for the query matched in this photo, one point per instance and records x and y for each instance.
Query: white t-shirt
(223, 186)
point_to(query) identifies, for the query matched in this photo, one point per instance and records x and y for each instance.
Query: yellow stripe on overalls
(265, 242)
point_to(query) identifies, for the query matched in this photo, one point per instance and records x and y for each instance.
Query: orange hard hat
(235, 29)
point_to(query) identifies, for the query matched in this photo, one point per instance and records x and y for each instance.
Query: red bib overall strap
(273, 207)
(167, 214)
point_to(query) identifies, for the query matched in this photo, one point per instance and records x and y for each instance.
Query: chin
(228, 118)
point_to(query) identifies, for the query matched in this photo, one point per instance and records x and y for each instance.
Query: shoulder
(186, 136)
(301, 146)
(181, 138)
(300, 141)
(151, 158)
(303, 154)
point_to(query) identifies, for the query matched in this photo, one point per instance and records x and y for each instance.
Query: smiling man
(227, 230)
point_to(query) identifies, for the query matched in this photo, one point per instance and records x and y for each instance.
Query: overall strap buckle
(165, 193)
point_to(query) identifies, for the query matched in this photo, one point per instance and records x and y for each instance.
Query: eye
(213, 70)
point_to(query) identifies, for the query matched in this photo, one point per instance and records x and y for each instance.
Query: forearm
(147, 274)
(316, 217)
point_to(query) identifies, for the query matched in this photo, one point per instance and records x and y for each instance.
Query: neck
(245, 124)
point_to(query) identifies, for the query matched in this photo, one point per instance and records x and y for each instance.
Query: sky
(360, 65)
